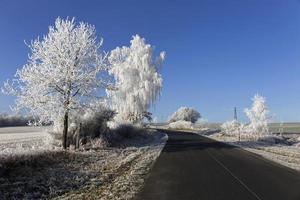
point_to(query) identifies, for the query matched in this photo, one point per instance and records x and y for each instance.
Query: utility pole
(235, 114)
(235, 119)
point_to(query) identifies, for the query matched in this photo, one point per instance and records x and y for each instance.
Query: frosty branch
(62, 70)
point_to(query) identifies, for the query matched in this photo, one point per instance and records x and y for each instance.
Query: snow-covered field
(15, 140)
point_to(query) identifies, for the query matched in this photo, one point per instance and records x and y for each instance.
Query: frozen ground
(20, 140)
(30, 171)
(279, 151)
(123, 176)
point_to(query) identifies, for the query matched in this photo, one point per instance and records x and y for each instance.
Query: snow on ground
(288, 155)
(125, 175)
(21, 140)
(100, 173)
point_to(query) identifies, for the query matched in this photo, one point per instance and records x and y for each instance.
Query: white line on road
(234, 176)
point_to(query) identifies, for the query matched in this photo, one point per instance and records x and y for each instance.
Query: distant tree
(185, 114)
(15, 120)
(62, 74)
(137, 80)
(258, 115)
(231, 127)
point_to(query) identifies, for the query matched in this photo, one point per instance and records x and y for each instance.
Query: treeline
(7, 120)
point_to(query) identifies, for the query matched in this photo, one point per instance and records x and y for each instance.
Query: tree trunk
(78, 136)
(65, 131)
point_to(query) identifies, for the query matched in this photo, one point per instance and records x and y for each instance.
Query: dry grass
(100, 173)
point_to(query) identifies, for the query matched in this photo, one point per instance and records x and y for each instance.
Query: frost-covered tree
(258, 115)
(138, 82)
(231, 127)
(185, 114)
(62, 75)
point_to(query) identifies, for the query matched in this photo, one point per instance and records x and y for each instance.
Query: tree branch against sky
(138, 82)
(62, 73)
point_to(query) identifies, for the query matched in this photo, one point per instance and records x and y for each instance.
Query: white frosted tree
(63, 73)
(258, 115)
(138, 82)
(185, 114)
(231, 127)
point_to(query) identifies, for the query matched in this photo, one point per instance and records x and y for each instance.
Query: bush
(272, 139)
(128, 131)
(96, 123)
(93, 125)
(185, 114)
(128, 134)
(231, 127)
(96, 134)
(123, 136)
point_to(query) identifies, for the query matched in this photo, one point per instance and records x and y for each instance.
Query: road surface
(193, 167)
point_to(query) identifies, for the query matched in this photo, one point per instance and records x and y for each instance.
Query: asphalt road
(194, 167)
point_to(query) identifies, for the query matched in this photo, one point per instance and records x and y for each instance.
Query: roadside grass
(99, 173)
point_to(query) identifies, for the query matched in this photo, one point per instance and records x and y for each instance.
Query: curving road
(193, 167)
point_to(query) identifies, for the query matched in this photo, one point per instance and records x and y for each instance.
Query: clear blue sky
(219, 53)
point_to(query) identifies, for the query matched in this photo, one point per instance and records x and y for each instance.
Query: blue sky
(219, 53)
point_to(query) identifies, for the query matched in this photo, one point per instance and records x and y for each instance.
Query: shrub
(94, 124)
(272, 139)
(231, 127)
(128, 134)
(129, 131)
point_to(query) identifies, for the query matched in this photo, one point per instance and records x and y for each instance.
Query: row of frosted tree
(68, 76)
